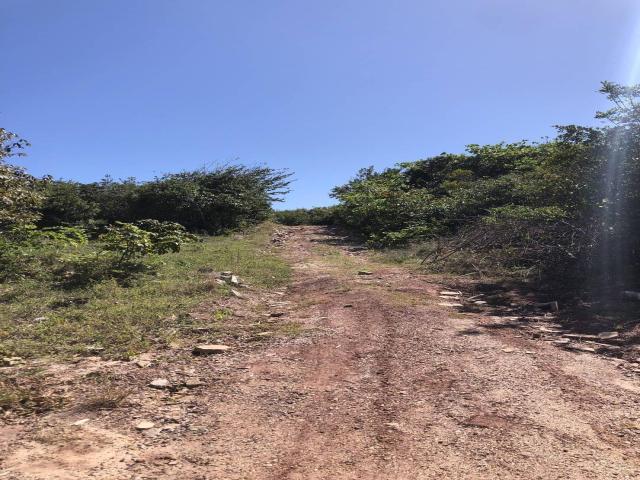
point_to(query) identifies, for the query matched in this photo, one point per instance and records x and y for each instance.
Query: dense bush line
(45, 224)
(209, 201)
(567, 208)
(306, 216)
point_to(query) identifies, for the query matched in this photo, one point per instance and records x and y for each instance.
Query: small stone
(450, 293)
(562, 341)
(210, 349)
(365, 272)
(480, 302)
(159, 383)
(549, 330)
(40, 319)
(12, 361)
(143, 363)
(94, 348)
(79, 423)
(608, 335)
(264, 334)
(145, 425)
(276, 314)
(508, 350)
(193, 383)
(348, 305)
(236, 293)
(394, 426)
(581, 348)
(234, 280)
(578, 335)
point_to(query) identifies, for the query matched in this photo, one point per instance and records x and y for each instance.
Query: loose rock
(159, 383)
(12, 361)
(145, 425)
(210, 349)
(193, 383)
(608, 335)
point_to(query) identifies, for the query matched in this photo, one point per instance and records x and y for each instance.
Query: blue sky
(143, 87)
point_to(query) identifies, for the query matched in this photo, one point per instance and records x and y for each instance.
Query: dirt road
(379, 382)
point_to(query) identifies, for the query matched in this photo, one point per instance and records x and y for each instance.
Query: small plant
(24, 399)
(131, 242)
(127, 241)
(166, 237)
(109, 398)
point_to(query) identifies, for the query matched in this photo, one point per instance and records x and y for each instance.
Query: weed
(108, 398)
(26, 397)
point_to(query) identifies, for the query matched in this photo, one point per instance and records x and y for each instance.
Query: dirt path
(382, 382)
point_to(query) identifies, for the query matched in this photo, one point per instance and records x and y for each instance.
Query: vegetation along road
(355, 369)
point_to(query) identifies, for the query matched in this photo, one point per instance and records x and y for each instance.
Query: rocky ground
(357, 370)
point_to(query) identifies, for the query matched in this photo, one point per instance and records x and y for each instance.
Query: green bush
(211, 201)
(306, 216)
(566, 207)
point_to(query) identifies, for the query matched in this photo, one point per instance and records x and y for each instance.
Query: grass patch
(291, 329)
(37, 318)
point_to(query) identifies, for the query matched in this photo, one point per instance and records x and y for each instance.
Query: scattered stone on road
(145, 425)
(12, 361)
(608, 335)
(207, 349)
(193, 383)
(236, 293)
(581, 348)
(159, 383)
(450, 304)
(449, 293)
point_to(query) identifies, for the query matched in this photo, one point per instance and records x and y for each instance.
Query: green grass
(119, 321)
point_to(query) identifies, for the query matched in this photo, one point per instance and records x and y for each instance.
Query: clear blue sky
(143, 87)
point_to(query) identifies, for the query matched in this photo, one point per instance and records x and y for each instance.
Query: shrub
(306, 216)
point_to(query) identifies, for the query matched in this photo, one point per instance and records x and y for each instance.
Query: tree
(20, 193)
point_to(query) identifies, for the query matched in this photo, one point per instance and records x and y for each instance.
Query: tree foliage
(20, 193)
(209, 201)
(306, 216)
(544, 208)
